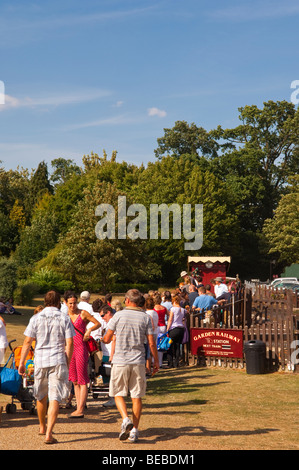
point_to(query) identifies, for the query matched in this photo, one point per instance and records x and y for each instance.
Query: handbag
(91, 344)
(10, 380)
(163, 342)
(186, 335)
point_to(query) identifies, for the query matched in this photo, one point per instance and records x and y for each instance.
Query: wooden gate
(266, 315)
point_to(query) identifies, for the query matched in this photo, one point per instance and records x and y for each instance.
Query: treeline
(245, 177)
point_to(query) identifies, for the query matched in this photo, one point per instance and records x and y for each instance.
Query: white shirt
(96, 334)
(3, 337)
(220, 289)
(50, 328)
(155, 317)
(82, 305)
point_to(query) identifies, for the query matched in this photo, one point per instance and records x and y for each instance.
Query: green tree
(63, 170)
(186, 139)
(14, 185)
(8, 277)
(282, 231)
(39, 185)
(35, 242)
(181, 181)
(95, 264)
(265, 147)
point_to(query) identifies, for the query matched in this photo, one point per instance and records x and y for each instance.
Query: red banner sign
(216, 342)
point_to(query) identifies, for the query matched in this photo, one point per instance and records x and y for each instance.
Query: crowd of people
(127, 334)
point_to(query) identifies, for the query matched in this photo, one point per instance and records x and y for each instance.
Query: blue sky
(112, 74)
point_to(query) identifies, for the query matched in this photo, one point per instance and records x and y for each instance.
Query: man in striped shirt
(131, 327)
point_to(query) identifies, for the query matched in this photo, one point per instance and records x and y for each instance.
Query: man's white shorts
(52, 382)
(127, 378)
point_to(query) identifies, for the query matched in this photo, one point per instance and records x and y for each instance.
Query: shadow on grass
(178, 381)
(155, 435)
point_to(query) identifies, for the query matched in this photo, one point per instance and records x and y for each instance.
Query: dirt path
(97, 431)
(186, 409)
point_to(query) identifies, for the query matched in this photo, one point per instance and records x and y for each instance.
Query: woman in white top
(3, 340)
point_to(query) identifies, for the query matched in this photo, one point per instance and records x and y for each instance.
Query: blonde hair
(38, 309)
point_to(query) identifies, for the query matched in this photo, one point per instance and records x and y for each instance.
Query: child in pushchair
(11, 383)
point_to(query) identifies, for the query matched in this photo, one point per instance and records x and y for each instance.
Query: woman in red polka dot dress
(78, 370)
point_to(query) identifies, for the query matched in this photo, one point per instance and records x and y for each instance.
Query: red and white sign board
(216, 342)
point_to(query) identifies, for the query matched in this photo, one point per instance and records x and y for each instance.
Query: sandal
(51, 441)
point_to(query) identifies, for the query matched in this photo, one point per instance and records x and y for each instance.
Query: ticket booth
(209, 267)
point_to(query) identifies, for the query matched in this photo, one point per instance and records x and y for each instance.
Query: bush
(47, 279)
(124, 287)
(24, 293)
(8, 277)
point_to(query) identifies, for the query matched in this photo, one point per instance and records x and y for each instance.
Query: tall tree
(181, 181)
(93, 263)
(264, 147)
(186, 139)
(282, 231)
(39, 185)
(63, 170)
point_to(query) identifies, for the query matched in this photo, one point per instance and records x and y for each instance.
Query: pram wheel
(28, 407)
(11, 408)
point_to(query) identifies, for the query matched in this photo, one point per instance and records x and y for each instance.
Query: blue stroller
(11, 383)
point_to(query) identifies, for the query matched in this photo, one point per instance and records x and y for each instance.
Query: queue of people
(128, 336)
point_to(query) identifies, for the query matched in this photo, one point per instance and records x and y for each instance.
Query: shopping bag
(10, 380)
(163, 342)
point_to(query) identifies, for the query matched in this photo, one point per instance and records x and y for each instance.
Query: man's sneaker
(109, 403)
(134, 434)
(126, 427)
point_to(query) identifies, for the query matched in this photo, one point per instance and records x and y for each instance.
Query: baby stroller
(97, 387)
(11, 383)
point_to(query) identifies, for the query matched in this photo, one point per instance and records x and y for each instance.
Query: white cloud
(118, 104)
(53, 100)
(7, 102)
(156, 112)
(111, 121)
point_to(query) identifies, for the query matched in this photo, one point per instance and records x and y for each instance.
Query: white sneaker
(109, 403)
(134, 434)
(126, 427)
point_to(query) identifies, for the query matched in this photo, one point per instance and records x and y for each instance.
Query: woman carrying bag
(175, 329)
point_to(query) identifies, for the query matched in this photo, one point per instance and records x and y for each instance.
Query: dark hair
(105, 309)
(67, 292)
(96, 305)
(149, 303)
(52, 299)
(108, 297)
(71, 295)
(167, 295)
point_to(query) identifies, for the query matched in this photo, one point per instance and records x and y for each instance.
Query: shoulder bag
(91, 344)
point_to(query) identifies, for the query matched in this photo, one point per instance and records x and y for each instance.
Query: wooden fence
(266, 315)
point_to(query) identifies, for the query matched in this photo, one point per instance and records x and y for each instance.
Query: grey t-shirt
(131, 327)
